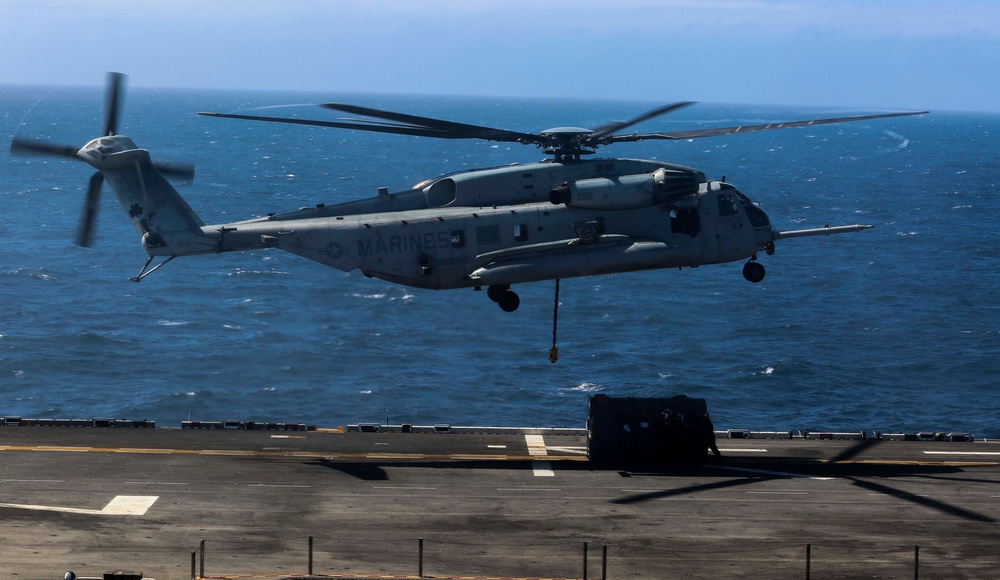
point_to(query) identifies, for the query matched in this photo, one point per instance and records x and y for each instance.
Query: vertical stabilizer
(167, 224)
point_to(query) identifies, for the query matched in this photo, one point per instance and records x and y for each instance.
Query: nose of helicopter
(764, 234)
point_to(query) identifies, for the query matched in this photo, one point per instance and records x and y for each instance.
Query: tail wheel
(753, 272)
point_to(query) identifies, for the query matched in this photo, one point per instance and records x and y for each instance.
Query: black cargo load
(658, 430)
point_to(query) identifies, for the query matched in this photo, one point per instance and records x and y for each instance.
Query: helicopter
(568, 215)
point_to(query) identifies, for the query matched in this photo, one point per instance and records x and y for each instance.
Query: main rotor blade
(698, 133)
(85, 234)
(21, 146)
(456, 130)
(403, 130)
(113, 103)
(605, 130)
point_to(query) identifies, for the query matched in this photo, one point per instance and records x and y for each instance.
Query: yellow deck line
(303, 454)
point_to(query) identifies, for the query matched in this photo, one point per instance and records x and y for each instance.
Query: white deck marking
(131, 505)
(962, 452)
(568, 450)
(122, 505)
(542, 469)
(276, 485)
(536, 448)
(536, 445)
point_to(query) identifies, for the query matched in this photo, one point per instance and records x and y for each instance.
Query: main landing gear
(504, 296)
(508, 300)
(753, 270)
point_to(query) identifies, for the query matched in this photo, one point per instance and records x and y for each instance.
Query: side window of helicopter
(521, 233)
(685, 221)
(457, 239)
(727, 205)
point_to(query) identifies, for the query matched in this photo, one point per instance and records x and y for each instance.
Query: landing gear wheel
(753, 272)
(504, 296)
(495, 293)
(509, 301)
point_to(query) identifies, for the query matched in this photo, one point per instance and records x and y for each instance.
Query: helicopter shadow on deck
(841, 466)
(727, 474)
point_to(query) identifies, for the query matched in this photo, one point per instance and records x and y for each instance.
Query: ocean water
(895, 329)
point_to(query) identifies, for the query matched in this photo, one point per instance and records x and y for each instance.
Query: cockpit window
(758, 218)
(727, 205)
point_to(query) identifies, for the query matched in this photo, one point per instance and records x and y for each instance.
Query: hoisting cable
(554, 351)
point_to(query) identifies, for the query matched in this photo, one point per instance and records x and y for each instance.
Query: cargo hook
(554, 351)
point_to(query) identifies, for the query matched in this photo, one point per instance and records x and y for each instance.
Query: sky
(885, 54)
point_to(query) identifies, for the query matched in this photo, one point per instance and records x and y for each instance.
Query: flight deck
(444, 502)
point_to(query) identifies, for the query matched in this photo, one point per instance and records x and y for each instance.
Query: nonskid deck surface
(521, 505)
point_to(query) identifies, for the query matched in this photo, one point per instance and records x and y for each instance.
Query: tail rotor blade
(182, 171)
(21, 146)
(85, 234)
(113, 103)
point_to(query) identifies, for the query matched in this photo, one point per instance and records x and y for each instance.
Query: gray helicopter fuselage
(499, 226)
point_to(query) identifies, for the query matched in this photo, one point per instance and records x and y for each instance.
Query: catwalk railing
(590, 559)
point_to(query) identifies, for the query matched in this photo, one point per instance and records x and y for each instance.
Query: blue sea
(894, 329)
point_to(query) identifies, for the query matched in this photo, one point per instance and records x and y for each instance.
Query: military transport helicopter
(562, 217)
